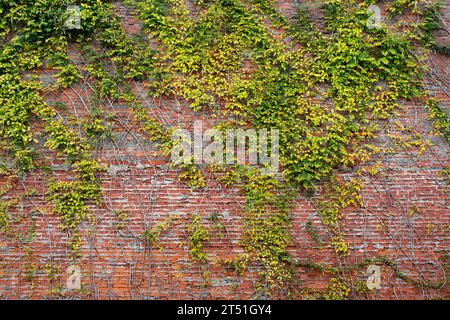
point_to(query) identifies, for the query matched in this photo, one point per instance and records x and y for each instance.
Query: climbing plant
(328, 90)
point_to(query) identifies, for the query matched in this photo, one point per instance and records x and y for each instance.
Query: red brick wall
(116, 264)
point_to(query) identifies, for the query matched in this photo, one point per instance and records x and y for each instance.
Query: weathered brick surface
(116, 264)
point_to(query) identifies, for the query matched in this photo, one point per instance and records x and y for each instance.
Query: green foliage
(5, 219)
(323, 96)
(339, 195)
(366, 73)
(68, 75)
(192, 174)
(268, 237)
(399, 6)
(64, 140)
(312, 141)
(339, 245)
(70, 201)
(446, 174)
(313, 233)
(198, 234)
(153, 128)
(18, 103)
(336, 290)
(441, 121)
(122, 217)
(95, 128)
(266, 232)
(302, 21)
(428, 20)
(239, 263)
(152, 236)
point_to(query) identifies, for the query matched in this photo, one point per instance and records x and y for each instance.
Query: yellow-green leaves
(198, 234)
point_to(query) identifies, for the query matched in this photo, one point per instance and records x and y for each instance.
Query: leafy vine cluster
(328, 98)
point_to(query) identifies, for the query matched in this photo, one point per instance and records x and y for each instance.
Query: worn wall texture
(406, 216)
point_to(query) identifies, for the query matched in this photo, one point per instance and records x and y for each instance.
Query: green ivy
(198, 234)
